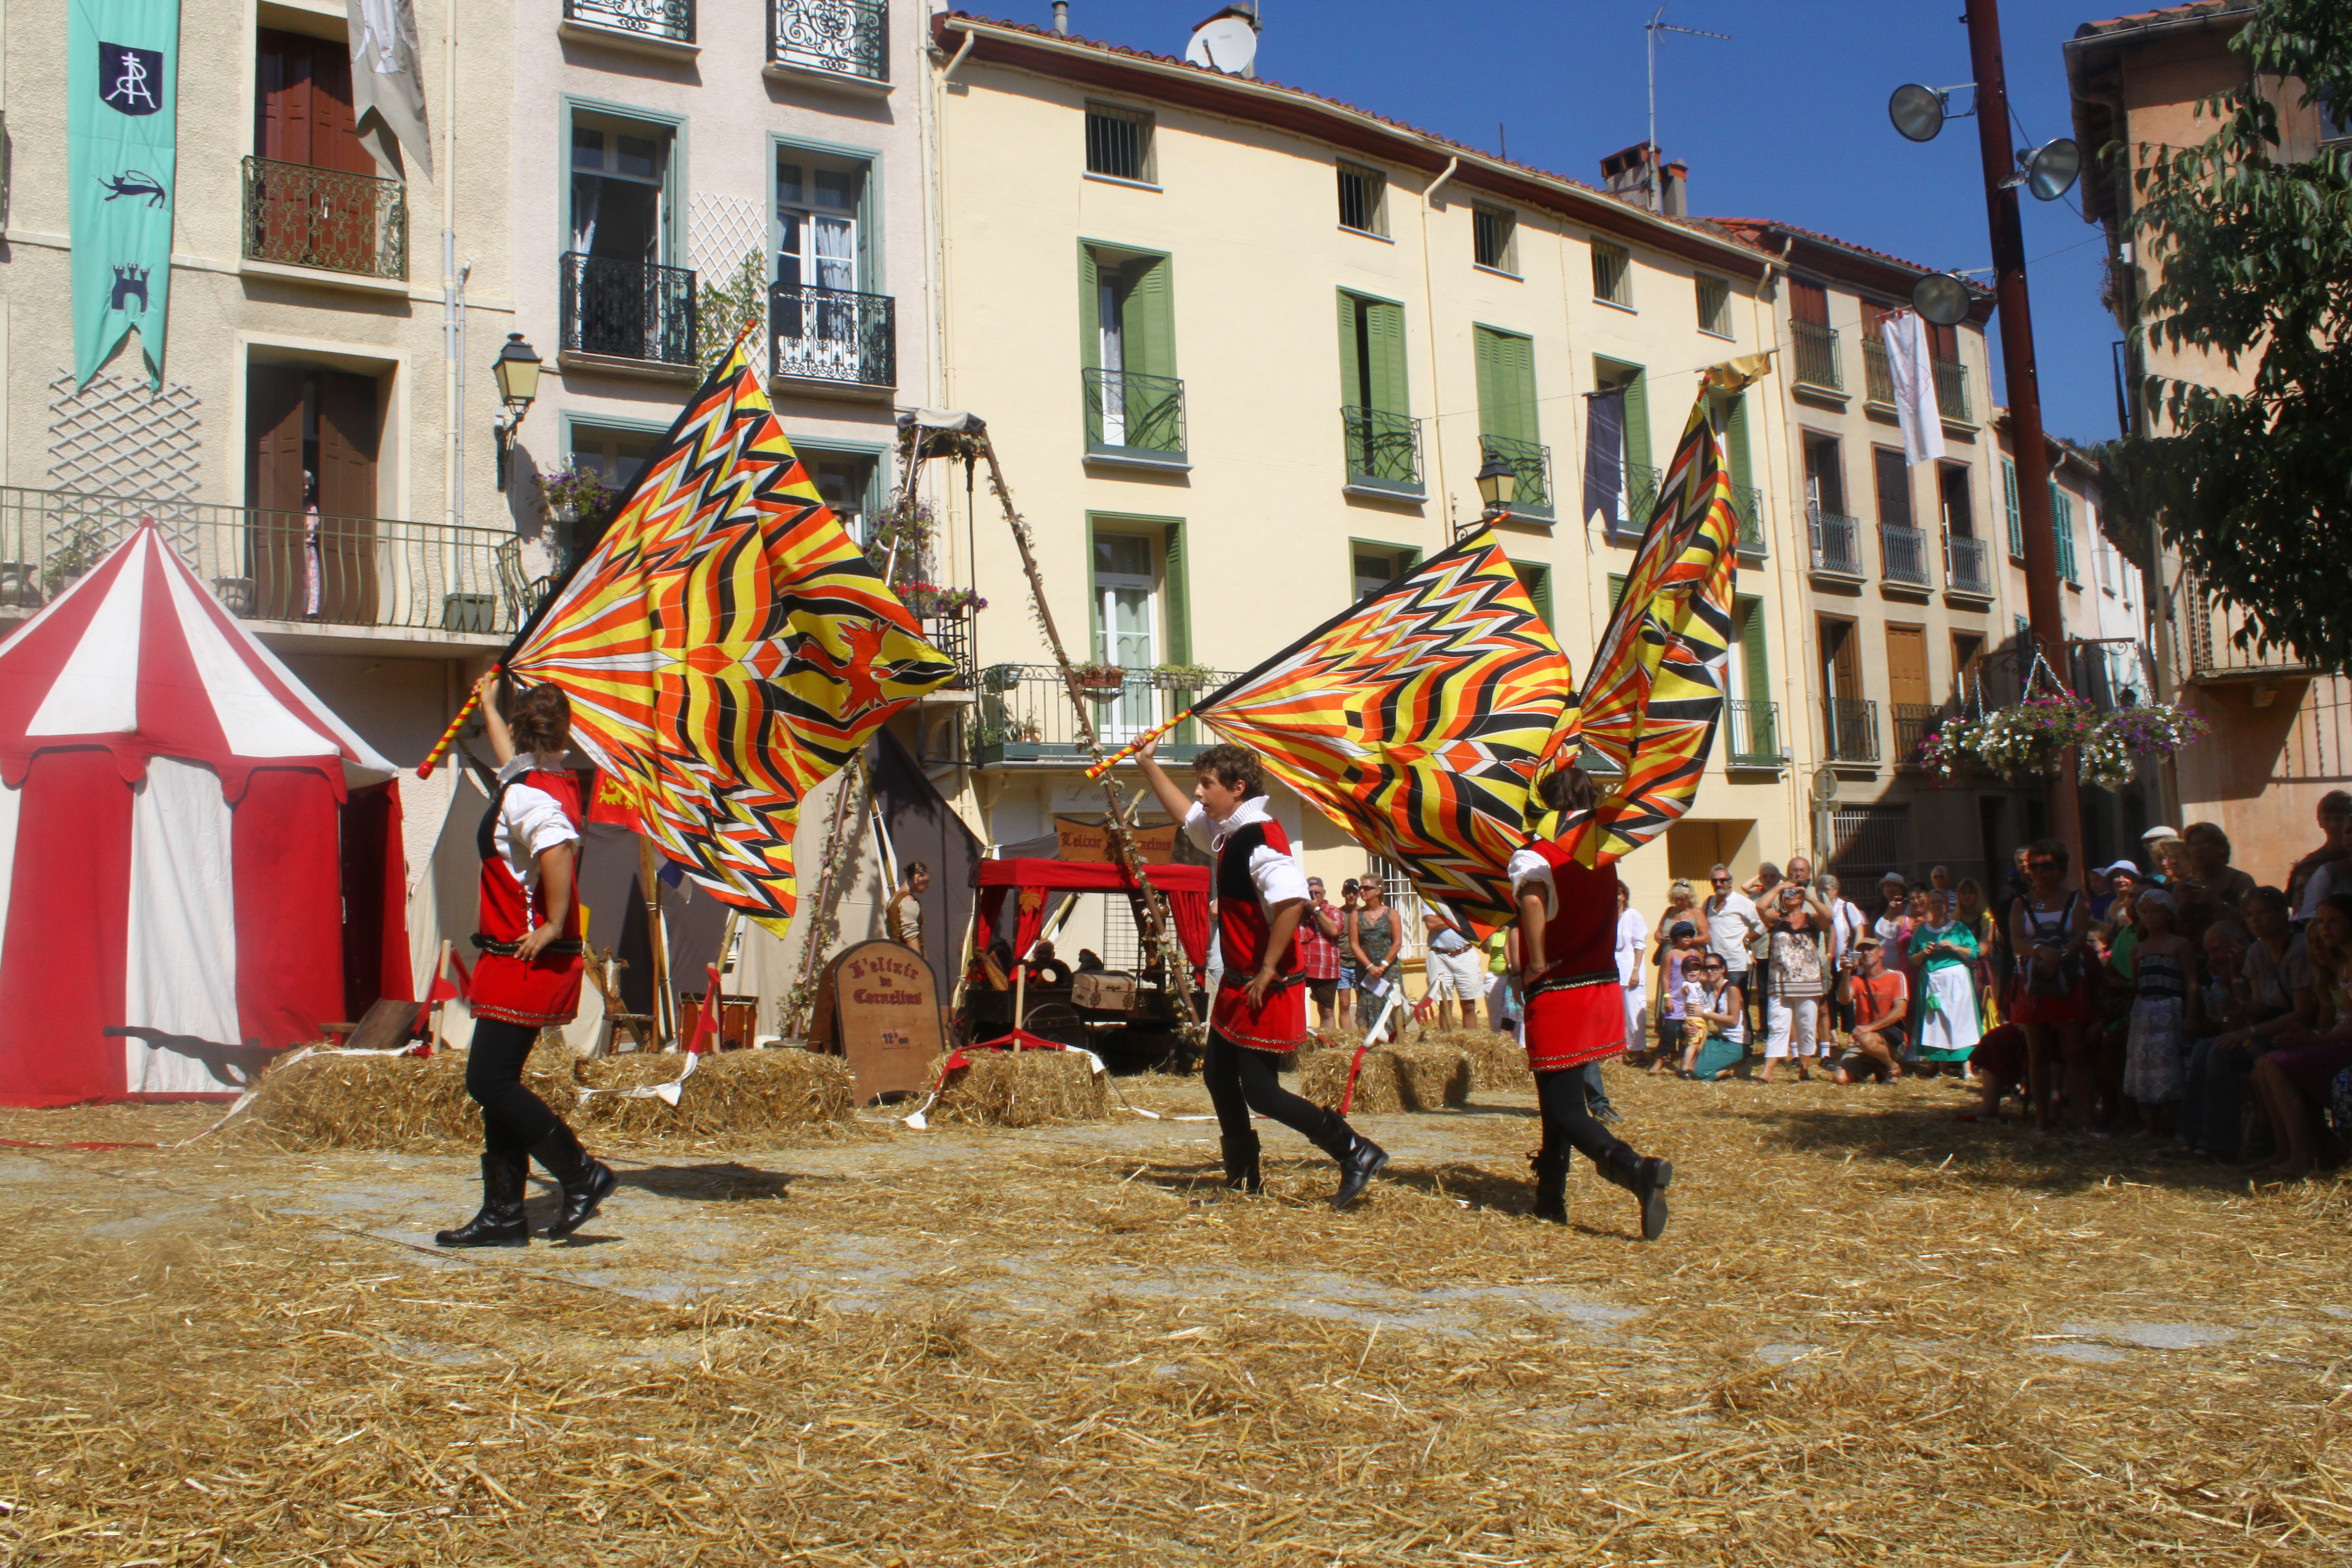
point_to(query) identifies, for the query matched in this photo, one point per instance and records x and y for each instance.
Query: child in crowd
(1683, 983)
(2164, 1012)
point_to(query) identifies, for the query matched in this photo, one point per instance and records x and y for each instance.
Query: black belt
(562, 947)
(1235, 980)
(1573, 982)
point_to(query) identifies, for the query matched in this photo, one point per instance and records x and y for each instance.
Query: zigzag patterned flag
(1417, 718)
(1656, 686)
(726, 647)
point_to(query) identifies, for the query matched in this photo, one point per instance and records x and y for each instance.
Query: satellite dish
(1225, 42)
(2052, 168)
(1941, 299)
(1918, 111)
(1825, 785)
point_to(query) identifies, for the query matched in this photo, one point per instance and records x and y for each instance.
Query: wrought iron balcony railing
(834, 335)
(1952, 390)
(847, 38)
(1532, 462)
(1752, 733)
(1837, 542)
(1850, 729)
(1638, 499)
(951, 635)
(1967, 566)
(668, 19)
(1877, 376)
(283, 565)
(1383, 449)
(628, 310)
(1913, 722)
(2211, 650)
(297, 216)
(1903, 553)
(1129, 414)
(1024, 715)
(1816, 355)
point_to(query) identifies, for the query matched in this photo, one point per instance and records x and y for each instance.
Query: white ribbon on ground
(667, 1093)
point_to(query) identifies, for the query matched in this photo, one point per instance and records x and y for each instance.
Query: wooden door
(1968, 664)
(1907, 667)
(276, 399)
(1894, 477)
(1841, 658)
(348, 441)
(303, 117)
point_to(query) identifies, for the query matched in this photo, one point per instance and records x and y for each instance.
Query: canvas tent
(178, 841)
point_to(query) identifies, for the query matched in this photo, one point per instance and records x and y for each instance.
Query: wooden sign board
(878, 1005)
(1090, 841)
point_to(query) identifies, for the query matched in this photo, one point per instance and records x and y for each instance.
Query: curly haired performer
(530, 968)
(1260, 1009)
(1575, 1011)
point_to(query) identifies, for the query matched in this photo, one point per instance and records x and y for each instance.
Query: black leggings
(1241, 1080)
(514, 1119)
(1568, 1118)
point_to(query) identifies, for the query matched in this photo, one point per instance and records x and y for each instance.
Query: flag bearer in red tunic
(528, 976)
(1575, 1007)
(1260, 1010)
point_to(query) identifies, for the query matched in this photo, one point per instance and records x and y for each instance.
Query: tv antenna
(1654, 26)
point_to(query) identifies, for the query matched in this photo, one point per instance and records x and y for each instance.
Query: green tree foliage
(2254, 253)
(724, 310)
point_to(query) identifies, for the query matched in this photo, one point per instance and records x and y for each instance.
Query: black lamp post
(517, 368)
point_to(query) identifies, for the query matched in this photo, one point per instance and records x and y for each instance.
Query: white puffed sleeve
(1528, 869)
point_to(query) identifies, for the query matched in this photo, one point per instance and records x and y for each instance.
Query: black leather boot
(587, 1181)
(1551, 1187)
(1241, 1163)
(501, 1222)
(1645, 1178)
(1358, 1166)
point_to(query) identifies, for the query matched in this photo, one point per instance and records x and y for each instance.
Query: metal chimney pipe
(1062, 15)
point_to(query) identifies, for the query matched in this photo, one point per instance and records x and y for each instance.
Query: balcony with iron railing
(1952, 390)
(1383, 452)
(324, 220)
(844, 42)
(1902, 555)
(1135, 418)
(1967, 566)
(1836, 541)
(660, 22)
(1877, 375)
(1815, 355)
(1850, 729)
(834, 339)
(308, 574)
(1751, 731)
(628, 312)
(1637, 498)
(1914, 722)
(1532, 461)
(1024, 715)
(2210, 651)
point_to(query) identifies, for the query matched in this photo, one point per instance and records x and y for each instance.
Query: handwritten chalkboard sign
(877, 1006)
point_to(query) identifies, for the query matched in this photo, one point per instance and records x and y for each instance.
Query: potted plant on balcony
(79, 545)
(1182, 677)
(930, 602)
(998, 677)
(581, 500)
(1104, 680)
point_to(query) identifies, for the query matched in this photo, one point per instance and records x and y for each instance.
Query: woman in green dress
(1944, 954)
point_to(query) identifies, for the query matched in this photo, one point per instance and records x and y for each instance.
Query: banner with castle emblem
(122, 155)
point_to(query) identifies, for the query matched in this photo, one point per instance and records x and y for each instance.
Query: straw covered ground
(1873, 1334)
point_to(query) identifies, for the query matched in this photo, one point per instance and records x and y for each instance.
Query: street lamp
(517, 368)
(1498, 485)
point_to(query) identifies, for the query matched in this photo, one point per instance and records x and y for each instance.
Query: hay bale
(1496, 1061)
(1422, 1075)
(383, 1102)
(1021, 1089)
(733, 1095)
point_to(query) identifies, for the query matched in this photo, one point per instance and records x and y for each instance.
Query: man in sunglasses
(1733, 928)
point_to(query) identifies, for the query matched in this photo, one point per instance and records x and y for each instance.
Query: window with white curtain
(819, 205)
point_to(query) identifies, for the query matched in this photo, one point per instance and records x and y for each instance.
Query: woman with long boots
(1259, 1012)
(1567, 938)
(529, 975)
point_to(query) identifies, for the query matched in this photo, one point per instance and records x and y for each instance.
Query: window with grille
(1494, 238)
(1376, 566)
(1119, 143)
(1713, 306)
(1612, 273)
(1363, 199)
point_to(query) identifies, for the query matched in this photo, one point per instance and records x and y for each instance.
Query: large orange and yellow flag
(726, 647)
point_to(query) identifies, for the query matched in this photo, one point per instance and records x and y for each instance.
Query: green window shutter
(1150, 320)
(1616, 589)
(1506, 385)
(1489, 347)
(2016, 511)
(1755, 669)
(1386, 372)
(1637, 416)
(1179, 596)
(2061, 527)
(1094, 600)
(1537, 580)
(1089, 325)
(1735, 440)
(1351, 360)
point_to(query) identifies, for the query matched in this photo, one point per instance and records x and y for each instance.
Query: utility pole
(2044, 607)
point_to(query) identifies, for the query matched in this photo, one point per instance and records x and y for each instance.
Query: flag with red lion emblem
(727, 647)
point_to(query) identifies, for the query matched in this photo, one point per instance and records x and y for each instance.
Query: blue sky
(1787, 121)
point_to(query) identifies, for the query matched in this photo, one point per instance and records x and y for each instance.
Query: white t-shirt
(1633, 943)
(1730, 929)
(1694, 997)
(1846, 922)
(1277, 876)
(529, 820)
(2322, 883)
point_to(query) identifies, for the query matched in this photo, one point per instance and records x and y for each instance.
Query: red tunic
(546, 989)
(1576, 1007)
(1242, 932)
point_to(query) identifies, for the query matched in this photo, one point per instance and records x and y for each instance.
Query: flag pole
(1099, 769)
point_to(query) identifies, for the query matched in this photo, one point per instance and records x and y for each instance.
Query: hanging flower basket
(1182, 677)
(930, 602)
(2031, 738)
(1102, 679)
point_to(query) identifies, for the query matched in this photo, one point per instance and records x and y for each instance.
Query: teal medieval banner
(121, 154)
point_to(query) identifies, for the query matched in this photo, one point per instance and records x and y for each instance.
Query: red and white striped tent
(171, 841)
